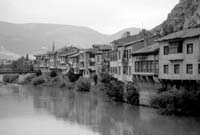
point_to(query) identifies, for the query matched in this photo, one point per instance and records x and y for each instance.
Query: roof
(188, 33)
(150, 49)
(132, 39)
(102, 47)
(74, 55)
(91, 50)
(69, 51)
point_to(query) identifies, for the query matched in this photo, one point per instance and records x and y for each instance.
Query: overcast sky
(105, 16)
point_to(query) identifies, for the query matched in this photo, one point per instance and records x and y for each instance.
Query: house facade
(102, 58)
(123, 48)
(180, 57)
(145, 63)
(87, 62)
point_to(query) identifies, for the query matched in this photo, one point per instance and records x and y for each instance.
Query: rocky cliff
(186, 14)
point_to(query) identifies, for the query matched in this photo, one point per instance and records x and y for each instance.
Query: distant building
(5, 62)
(102, 57)
(87, 62)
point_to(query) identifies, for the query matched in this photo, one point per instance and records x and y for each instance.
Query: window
(156, 66)
(175, 47)
(129, 70)
(119, 72)
(92, 55)
(189, 48)
(98, 58)
(129, 51)
(119, 55)
(145, 66)
(136, 66)
(125, 54)
(151, 66)
(166, 69)
(176, 68)
(189, 68)
(166, 50)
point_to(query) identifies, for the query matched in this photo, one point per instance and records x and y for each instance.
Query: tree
(21, 64)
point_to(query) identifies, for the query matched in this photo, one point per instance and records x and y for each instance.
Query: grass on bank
(10, 78)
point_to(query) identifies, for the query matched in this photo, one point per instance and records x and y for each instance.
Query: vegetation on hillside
(186, 14)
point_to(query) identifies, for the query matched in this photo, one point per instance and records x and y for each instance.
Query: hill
(35, 37)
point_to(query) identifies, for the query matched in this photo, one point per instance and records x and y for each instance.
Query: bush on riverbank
(27, 78)
(38, 73)
(132, 94)
(38, 80)
(10, 78)
(83, 84)
(178, 102)
(53, 74)
(71, 76)
(115, 90)
(67, 85)
(112, 87)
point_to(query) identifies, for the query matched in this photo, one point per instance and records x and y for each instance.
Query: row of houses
(86, 62)
(143, 57)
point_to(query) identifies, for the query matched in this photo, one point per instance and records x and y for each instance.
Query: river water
(28, 110)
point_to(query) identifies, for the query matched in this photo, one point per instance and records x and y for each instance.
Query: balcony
(176, 57)
(62, 62)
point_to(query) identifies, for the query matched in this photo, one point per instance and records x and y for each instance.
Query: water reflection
(94, 113)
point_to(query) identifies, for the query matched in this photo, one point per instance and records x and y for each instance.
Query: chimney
(126, 34)
(144, 35)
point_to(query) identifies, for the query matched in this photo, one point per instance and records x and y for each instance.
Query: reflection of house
(180, 56)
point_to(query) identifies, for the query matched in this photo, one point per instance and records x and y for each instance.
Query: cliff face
(186, 14)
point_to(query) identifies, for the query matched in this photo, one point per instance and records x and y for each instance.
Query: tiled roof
(68, 51)
(131, 39)
(147, 50)
(182, 34)
(74, 55)
(102, 47)
(92, 50)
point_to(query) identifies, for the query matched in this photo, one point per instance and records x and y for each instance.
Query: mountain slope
(186, 14)
(34, 38)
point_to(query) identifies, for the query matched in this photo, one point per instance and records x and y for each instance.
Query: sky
(105, 16)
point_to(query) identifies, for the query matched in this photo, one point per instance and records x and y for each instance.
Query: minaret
(53, 48)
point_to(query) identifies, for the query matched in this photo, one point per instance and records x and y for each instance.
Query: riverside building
(180, 58)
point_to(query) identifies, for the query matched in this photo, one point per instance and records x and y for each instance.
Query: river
(28, 110)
